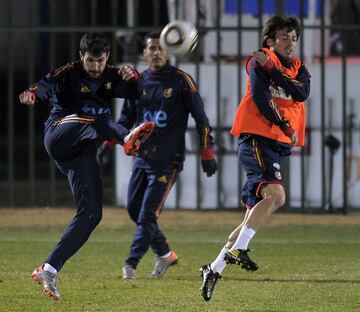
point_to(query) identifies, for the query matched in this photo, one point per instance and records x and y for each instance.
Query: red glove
(208, 161)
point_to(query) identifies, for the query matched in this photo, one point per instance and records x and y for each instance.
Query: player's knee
(95, 218)
(276, 195)
(278, 198)
(146, 219)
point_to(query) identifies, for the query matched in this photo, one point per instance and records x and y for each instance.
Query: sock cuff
(251, 232)
(50, 268)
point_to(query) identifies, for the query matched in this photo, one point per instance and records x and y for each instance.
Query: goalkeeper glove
(208, 161)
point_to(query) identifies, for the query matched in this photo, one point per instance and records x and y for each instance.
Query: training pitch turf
(306, 263)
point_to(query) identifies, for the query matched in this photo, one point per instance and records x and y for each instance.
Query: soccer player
(169, 96)
(80, 119)
(269, 121)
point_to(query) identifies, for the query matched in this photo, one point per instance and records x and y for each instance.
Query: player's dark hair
(151, 35)
(95, 43)
(277, 23)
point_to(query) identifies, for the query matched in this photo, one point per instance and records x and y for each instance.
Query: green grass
(302, 268)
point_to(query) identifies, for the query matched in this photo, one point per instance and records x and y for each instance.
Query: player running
(169, 96)
(80, 119)
(269, 121)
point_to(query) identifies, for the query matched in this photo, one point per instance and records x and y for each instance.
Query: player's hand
(27, 97)
(128, 73)
(261, 57)
(208, 161)
(102, 154)
(290, 132)
(134, 140)
(294, 138)
(263, 60)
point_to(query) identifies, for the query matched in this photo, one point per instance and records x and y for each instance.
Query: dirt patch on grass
(114, 217)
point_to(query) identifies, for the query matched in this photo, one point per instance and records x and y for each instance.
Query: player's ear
(107, 55)
(81, 55)
(269, 42)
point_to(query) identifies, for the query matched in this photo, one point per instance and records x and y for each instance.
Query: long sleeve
(127, 89)
(46, 88)
(260, 92)
(298, 88)
(195, 106)
(128, 114)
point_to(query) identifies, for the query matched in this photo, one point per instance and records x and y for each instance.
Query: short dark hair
(277, 23)
(151, 35)
(95, 43)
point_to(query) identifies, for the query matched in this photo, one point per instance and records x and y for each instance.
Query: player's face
(94, 65)
(284, 43)
(154, 54)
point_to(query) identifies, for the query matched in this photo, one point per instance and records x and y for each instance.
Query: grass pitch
(307, 263)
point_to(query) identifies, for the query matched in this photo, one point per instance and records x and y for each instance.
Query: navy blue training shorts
(262, 164)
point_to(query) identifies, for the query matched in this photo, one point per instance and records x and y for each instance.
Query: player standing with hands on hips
(169, 96)
(269, 121)
(80, 119)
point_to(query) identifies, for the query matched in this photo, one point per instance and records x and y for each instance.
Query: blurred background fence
(37, 36)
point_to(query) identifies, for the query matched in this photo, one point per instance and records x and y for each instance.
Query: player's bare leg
(235, 233)
(236, 248)
(211, 273)
(273, 197)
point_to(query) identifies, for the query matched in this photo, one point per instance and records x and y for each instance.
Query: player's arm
(195, 106)
(298, 88)
(260, 82)
(41, 91)
(127, 82)
(128, 115)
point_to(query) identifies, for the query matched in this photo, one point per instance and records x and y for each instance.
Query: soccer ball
(179, 38)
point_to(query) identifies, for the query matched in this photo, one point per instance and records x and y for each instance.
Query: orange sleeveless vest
(248, 118)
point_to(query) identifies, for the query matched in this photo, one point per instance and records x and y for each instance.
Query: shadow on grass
(294, 280)
(277, 280)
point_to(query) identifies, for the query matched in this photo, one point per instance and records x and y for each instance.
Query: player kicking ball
(269, 121)
(80, 119)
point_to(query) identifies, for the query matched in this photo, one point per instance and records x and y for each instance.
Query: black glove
(102, 154)
(208, 161)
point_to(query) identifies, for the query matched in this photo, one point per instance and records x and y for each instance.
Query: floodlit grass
(307, 263)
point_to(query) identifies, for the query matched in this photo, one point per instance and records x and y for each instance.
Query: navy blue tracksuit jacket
(79, 120)
(168, 97)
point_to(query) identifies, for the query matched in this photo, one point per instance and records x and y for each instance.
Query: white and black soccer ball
(179, 38)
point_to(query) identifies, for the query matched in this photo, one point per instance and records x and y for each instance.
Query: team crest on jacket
(278, 175)
(85, 89)
(162, 179)
(168, 92)
(108, 86)
(276, 165)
